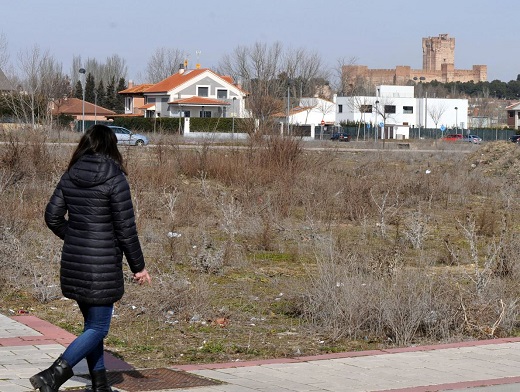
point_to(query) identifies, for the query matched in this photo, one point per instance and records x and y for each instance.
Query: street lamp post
(82, 72)
(457, 119)
(376, 126)
(233, 120)
(421, 95)
(288, 103)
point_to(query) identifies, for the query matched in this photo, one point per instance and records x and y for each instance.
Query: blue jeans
(90, 343)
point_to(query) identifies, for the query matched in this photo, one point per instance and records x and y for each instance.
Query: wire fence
(368, 133)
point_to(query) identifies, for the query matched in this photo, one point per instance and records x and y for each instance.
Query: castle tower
(438, 51)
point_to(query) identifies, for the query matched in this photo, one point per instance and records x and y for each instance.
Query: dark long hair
(98, 139)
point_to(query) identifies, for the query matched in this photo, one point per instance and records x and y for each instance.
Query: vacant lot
(270, 249)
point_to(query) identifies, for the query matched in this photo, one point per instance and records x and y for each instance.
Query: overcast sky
(378, 33)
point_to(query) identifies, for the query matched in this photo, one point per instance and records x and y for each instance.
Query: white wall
(425, 111)
(317, 109)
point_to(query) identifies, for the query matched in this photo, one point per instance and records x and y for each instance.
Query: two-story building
(395, 109)
(187, 93)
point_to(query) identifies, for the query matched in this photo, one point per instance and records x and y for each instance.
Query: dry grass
(269, 249)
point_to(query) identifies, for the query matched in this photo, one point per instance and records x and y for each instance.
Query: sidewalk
(28, 345)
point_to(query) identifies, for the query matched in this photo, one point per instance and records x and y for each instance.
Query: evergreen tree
(110, 100)
(101, 94)
(120, 99)
(78, 90)
(90, 86)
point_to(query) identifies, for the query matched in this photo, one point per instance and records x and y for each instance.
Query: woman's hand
(142, 277)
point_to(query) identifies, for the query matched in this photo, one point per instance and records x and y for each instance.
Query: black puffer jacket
(99, 228)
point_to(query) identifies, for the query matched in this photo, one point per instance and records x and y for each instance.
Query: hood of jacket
(92, 170)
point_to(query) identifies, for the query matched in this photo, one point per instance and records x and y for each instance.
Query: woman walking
(91, 210)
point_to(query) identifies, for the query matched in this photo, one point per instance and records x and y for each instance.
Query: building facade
(188, 93)
(396, 110)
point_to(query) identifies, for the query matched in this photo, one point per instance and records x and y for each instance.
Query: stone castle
(438, 64)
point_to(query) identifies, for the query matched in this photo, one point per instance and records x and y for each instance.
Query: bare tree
(163, 63)
(436, 109)
(41, 80)
(306, 72)
(324, 107)
(362, 104)
(484, 109)
(4, 54)
(385, 108)
(341, 79)
(257, 69)
(270, 74)
(114, 68)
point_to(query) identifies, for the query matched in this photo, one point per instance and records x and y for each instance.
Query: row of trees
(271, 73)
(100, 95)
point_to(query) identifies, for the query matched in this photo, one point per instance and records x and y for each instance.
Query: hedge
(171, 124)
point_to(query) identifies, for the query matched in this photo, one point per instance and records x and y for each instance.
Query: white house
(311, 113)
(188, 93)
(395, 110)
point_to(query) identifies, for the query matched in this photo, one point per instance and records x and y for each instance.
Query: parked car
(473, 139)
(126, 136)
(453, 137)
(514, 138)
(340, 136)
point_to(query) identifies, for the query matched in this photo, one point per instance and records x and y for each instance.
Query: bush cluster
(379, 248)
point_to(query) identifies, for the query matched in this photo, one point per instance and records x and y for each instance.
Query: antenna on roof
(197, 52)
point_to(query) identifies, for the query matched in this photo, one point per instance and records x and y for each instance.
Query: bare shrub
(417, 229)
(362, 245)
(405, 305)
(173, 298)
(207, 256)
(492, 314)
(336, 296)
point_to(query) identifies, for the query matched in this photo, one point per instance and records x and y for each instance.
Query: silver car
(126, 136)
(473, 139)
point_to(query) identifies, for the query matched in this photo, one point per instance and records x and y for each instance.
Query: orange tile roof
(136, 89)
(147, 106)
(74, 107)
(174, 80)
(199, 101)
(123, 115)
(228, 79)
(178, 79)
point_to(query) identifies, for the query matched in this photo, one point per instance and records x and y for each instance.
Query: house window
(204, 113)
(407, 109)
(221, 94)
(203, 91)
(389, 108)
(340, 108)
(511, 113)
(187, 113)
(365, 109)
(150, 99)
